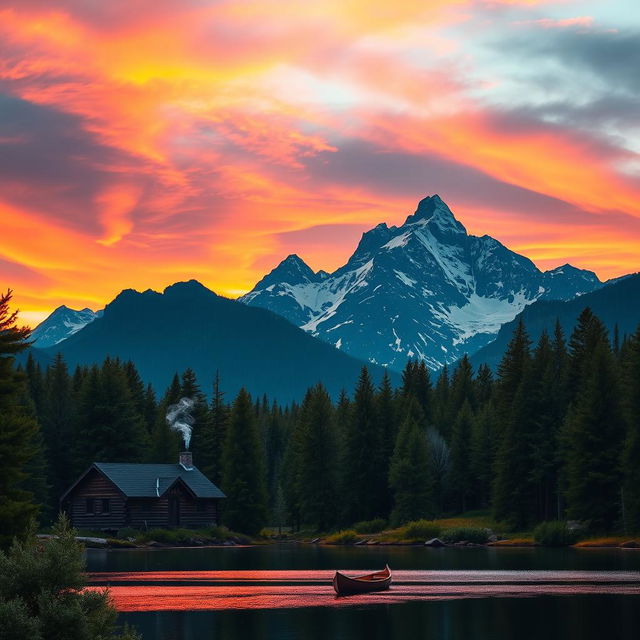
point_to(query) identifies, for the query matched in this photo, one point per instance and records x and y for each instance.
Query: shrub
(554, 534)
(126, 533)
(219, 532)
(370, 526)
(419, 530)
(348, 536)
(476, 535)
(116, 543)
(43, 595)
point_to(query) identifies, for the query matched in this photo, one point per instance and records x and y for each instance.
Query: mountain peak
(435, 212)
(292, 270)
(188, 286)
(294, 259)
(62, 323)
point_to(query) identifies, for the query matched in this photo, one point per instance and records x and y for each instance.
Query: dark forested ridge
(553, 434)
(189, 326)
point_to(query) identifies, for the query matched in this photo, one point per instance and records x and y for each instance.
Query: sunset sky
(148, 141)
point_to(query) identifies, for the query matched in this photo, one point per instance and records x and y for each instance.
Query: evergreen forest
(553, 434)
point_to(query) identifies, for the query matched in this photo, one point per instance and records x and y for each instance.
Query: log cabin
(111, 495)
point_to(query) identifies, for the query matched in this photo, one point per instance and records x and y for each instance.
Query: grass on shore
(521, 541)
(606, 541)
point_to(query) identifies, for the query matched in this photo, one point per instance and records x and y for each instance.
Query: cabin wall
(151, 513)
(88, 496)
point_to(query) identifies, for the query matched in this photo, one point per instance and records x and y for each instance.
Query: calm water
(284, 592)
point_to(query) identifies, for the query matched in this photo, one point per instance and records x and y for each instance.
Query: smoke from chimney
(179, 418)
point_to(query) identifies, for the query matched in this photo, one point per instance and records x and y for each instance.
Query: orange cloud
(207, 132)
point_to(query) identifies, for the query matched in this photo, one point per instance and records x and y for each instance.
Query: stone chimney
(186, 460)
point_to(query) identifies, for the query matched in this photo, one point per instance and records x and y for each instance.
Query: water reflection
(225, 590)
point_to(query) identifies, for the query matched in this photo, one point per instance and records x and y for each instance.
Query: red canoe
(379, 581)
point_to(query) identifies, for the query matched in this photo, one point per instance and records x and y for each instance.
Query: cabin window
(90, 505)
(201, 505)
(105, 505)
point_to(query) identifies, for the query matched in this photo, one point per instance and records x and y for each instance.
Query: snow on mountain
(60, 324)
(426, 289)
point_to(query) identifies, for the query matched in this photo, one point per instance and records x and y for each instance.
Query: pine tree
(416, 383)
(150, 410)
(318, 463)
(410, 475)
(35, 381)
(594, 431)
(58, 426)
(483, 385)
(631, 451)
(110, 429)
(19, 431)
(548, 410)
(588, 333)
(290, 479)
(361, 482)
(441, 418)
(388, 429)
(483, 452)
(244, 476)
(513, 497)
(462, 388)
(137, 389)
(461, 482)
(275, 450)
(165, 443)
(219, 425)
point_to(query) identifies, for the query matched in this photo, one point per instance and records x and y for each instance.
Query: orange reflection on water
(294, 589)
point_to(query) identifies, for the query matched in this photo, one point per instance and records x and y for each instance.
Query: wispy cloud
(200, 138)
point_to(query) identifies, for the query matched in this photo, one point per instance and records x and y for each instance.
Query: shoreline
(107, 545)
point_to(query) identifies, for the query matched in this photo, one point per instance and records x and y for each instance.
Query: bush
(219, 533)
(370, 526)
(127, 533)
(476, 535)
(419, 530)
(348, 536)
(554, 534)
(117, 543)
(43, 595)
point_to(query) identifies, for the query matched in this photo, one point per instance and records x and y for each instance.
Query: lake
(284, 591)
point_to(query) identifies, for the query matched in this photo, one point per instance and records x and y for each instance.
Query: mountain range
(190, 326)
(426, 290)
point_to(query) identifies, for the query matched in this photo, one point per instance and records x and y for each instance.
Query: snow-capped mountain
(426, 290)
(60, 324)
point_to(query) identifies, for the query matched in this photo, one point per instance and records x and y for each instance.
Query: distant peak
(62, 307)
(569, 269)
(292, 270)
(192, 286)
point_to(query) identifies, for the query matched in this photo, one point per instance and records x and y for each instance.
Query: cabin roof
(142, 480)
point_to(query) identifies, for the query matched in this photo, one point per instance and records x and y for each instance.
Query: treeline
(555, 434)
